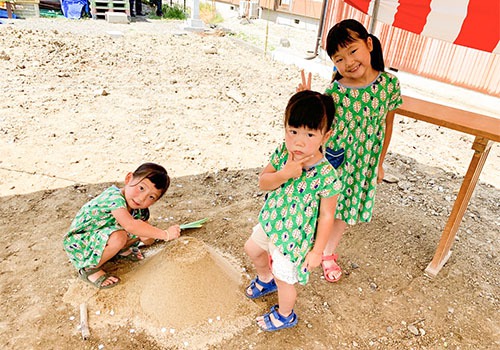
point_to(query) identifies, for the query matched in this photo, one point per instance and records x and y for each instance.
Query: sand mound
(183, 291)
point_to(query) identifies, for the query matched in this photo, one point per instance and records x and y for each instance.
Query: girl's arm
(389, 123)
(270, 179)
(143, 229)
(323, 230)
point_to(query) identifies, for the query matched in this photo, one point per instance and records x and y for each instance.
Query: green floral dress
(94, 223)
(360, 131)
(290, 213)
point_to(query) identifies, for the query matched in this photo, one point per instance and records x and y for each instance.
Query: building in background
(453, 42)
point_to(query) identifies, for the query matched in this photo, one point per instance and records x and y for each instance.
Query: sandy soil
(84, 102)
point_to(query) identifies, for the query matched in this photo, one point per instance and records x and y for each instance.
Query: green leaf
(194, 224)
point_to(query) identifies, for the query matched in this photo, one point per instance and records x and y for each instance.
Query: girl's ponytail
(377, 56)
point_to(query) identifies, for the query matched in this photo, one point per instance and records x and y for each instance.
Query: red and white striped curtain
(471, 23)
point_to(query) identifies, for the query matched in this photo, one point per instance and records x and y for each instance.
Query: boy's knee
(249, 246)
(253, 249)
(118, 238)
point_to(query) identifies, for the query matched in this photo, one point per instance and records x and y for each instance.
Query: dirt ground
(85, 102)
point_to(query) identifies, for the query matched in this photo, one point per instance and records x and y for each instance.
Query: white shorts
(281, 267)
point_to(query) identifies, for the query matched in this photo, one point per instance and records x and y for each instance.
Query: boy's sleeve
(331, 185)
(278, 157)
(395, 100)
(114, 199)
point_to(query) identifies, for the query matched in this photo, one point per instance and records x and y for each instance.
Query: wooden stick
(84, 326)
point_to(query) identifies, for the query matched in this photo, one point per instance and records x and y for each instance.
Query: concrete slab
(117, 17)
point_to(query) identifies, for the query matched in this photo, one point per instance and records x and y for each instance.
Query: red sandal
(328, 270)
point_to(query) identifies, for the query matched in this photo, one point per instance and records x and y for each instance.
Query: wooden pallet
(26, 8)
(98, 8)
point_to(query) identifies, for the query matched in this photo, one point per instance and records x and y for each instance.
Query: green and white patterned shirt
(93, 224)
(360, 130)
(290, 214)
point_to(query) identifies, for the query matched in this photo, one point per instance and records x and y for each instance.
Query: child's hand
(312, 260)
(293, 168)
(305, 84)
(173, 232)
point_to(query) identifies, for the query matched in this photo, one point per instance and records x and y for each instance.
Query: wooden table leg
(481, 149)
(9, 9)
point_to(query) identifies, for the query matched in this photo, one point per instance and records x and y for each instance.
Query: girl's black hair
(310, 109)
(346, 32)
(154, 173)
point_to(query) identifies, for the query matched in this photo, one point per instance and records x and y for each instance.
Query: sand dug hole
(177, 295)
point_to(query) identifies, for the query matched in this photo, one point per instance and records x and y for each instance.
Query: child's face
(354, 61)
(303, 142)
(140, 195)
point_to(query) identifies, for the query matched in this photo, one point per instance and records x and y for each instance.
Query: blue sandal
(287, 322)
(267, 288)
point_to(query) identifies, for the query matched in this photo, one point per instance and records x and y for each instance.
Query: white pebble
(98, 312)
(210, 320)
(186, 343)
(413, 330)
(163, 330)
(101, 346)
(71, 318)
(172, 331)
(132, 330)
(112, 312)
(218, 318)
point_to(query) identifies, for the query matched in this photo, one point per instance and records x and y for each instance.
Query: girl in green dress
(111, 223)
(298, 214)
(365, 98)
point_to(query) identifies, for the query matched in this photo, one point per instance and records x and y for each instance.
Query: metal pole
(320, 28)
(374, 16)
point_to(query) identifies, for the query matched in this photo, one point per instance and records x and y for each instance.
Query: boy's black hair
(346, 32)
(310, 109)
(154, 173)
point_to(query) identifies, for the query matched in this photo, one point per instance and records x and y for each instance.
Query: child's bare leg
(126, 252)
(260, 259)
(116, 241)
(131, 241)
(287, 296)
(144, 240)
(147, 241)
(338, 229)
